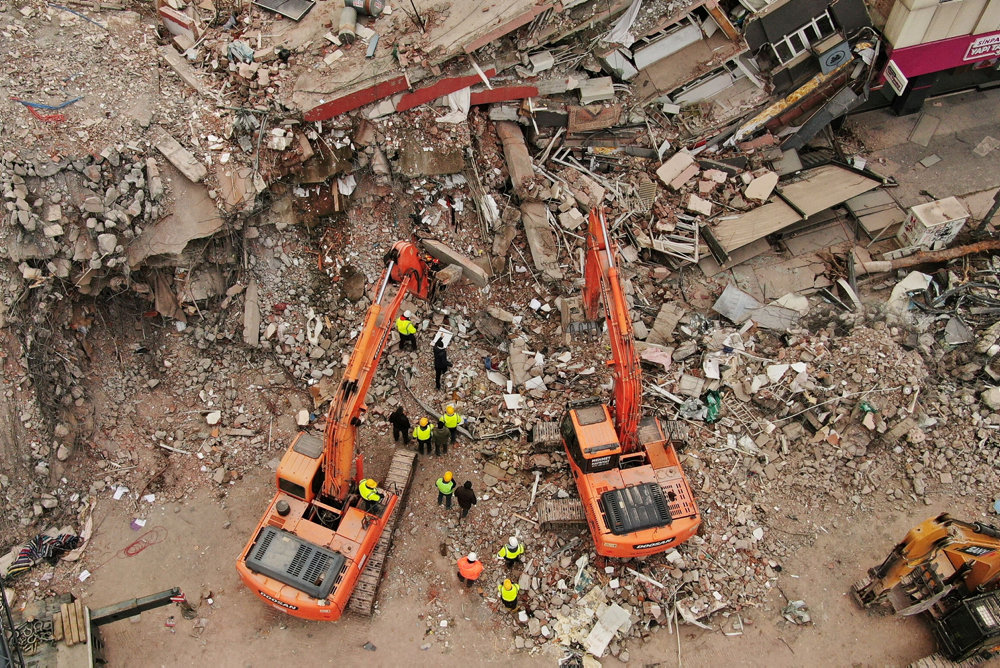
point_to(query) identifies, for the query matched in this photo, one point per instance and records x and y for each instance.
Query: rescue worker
(407, 332)
(466, 498)
(423, 433)
(446, 489)
(511, 552)
(508, 594)
(441, 363)
(451, 420)
(469, 569)
(368, 489)
(441, 439)
(400, 425)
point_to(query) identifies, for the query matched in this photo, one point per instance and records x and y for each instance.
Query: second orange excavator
(635, 495)
(317, 544)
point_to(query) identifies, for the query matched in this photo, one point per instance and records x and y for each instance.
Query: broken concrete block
(673, 167)
(251, 316)
(449, 274)
(761, 187)
(595, 90)
(53, 213)
(179, 156)
(541, 62)
(470, 270)
(678, 182)
(696, 204)
(571, 219)
(541, 240)
(522, 171)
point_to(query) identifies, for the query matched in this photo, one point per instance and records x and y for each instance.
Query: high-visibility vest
(445, 487)
(470, 570)
(507, 553)
(508, 594)
(404, 326)
(451, 421)
(368, 493)
(423, 433)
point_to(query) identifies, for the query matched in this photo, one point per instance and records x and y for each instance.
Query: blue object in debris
(996, 505)
(372, 43)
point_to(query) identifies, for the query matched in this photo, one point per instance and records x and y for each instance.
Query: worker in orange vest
(469, 569)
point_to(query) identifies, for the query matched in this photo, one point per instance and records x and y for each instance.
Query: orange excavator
(317, 540)
(950, 570)
(635, 495)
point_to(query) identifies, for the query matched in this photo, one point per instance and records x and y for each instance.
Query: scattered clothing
(42, 547)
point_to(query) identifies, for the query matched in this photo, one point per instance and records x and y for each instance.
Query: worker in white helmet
(469, 569)
(511, 552)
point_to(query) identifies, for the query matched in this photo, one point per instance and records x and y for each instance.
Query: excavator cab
(590, 437)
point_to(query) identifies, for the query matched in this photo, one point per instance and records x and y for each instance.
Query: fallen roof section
(815, 190)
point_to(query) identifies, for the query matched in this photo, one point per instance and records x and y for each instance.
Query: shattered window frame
(818, 29)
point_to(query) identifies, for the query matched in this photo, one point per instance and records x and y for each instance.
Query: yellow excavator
(948, 569)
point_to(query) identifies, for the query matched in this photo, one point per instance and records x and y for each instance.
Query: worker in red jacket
(469, 569)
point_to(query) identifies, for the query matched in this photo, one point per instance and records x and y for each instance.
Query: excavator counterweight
(635, 496)
(317, 539)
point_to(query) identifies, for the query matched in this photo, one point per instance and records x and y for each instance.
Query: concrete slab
(470, 270)
(179, 156)
(541, 240)
(925, 128)
(674, 166)
(522, 172)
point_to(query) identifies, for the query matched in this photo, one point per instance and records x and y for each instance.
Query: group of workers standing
(441, 435)
(470, 568)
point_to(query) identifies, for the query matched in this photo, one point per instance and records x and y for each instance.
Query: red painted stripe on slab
(501, 94)
(356, 99)
(441, 88)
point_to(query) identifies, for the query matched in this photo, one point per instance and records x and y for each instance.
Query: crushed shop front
(914, 73)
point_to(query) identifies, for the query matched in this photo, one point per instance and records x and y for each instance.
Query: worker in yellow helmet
(451, 420)
(446, 489)
(508, 594)
(407, 331)
(368, 489)
(423, 433)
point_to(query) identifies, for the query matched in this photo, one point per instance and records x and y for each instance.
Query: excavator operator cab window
(289, 487)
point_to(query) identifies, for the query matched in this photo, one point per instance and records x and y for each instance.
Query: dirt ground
(194, 543)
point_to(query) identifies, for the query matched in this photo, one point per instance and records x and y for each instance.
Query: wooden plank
(57, 626)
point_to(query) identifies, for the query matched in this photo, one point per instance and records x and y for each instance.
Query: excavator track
(397, 479)
(557, 514)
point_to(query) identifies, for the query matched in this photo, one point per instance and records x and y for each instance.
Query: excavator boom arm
(604, 283)
(971, 548)
(405, 268)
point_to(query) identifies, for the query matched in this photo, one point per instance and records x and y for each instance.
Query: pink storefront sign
(945, 54)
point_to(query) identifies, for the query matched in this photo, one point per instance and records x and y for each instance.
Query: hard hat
(423, 422)
(512, 542)
(473, 556)
(371, 482)
(450, 410)
(447, 476)
(407, 314)
(506, 584)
